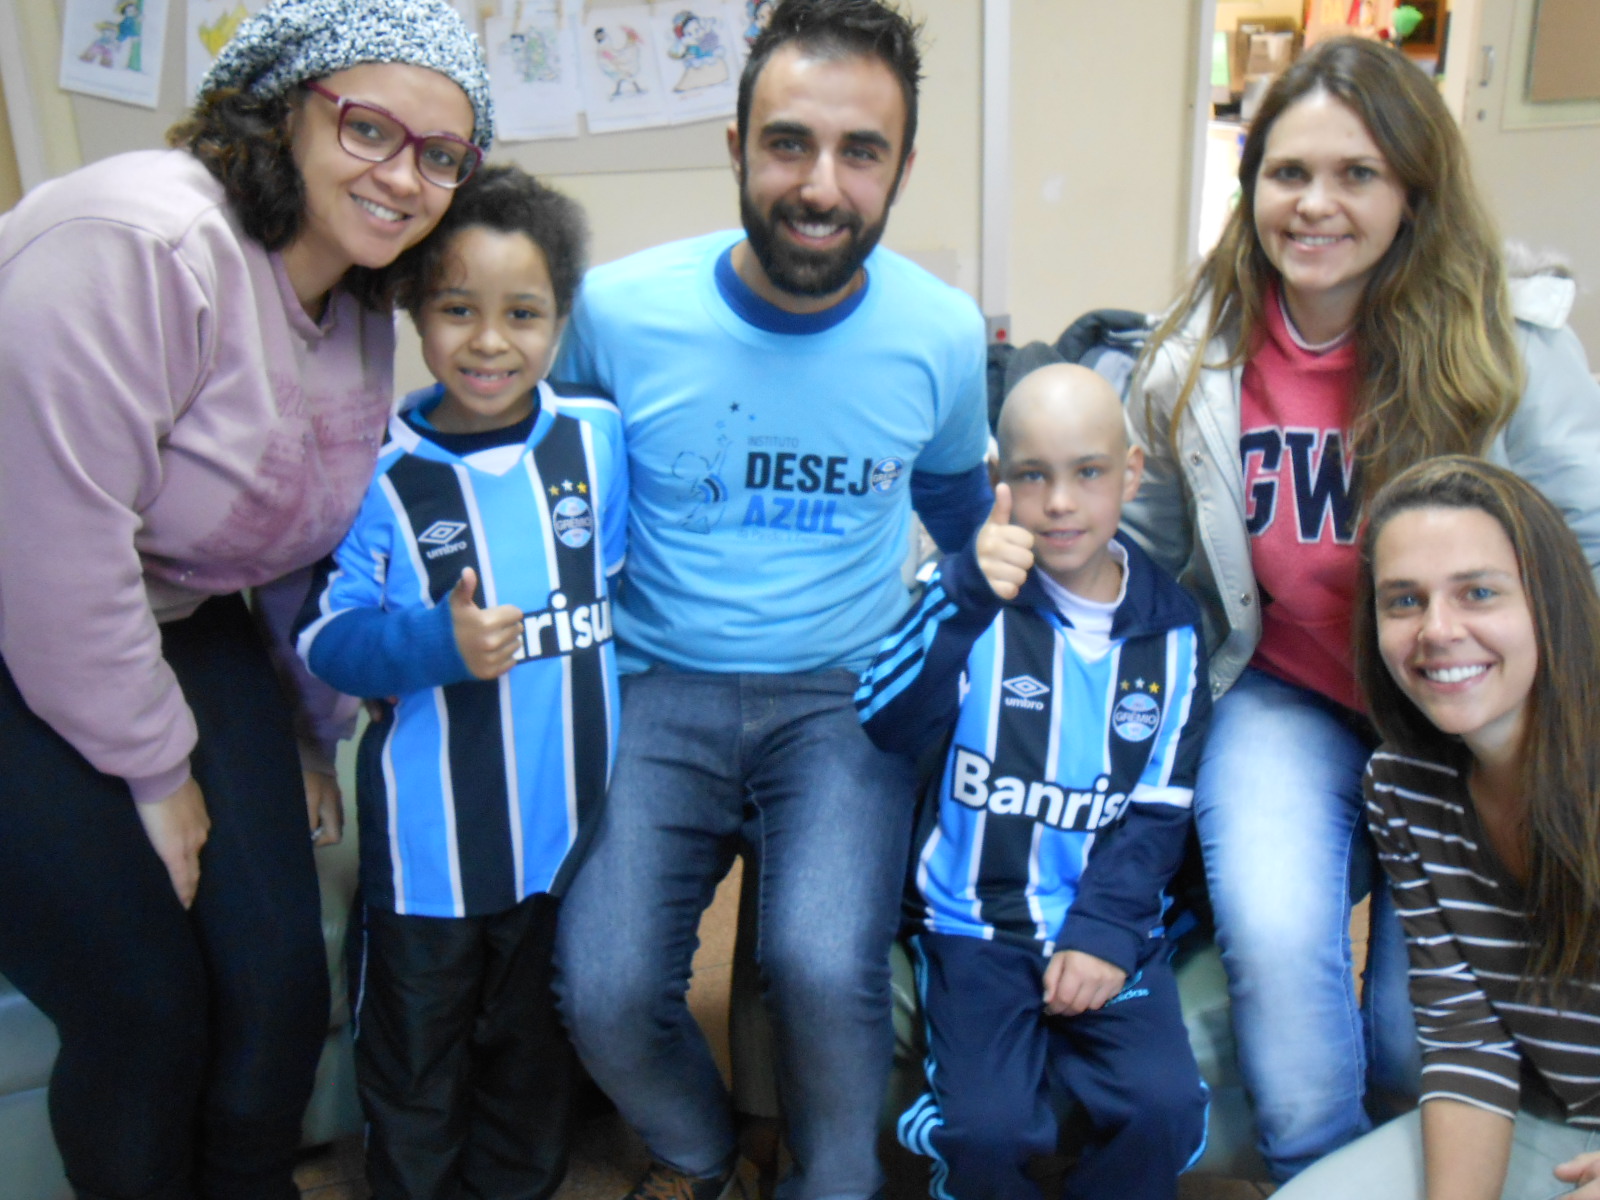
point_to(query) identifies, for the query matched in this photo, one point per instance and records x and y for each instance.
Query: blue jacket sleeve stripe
(308, 633)
(900, 663)
(911, 629)
(907, 719)
(955, 611)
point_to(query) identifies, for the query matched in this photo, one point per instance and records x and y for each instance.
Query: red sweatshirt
(1300, 506)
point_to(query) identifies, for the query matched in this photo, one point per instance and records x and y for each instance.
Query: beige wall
(1514, 173)
(39, 25)
(1101, 99)
(10, 180)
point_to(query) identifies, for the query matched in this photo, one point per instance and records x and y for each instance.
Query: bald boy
(1066, 469)
(1067, 671)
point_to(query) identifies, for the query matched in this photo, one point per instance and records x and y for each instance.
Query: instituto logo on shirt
(818, 487)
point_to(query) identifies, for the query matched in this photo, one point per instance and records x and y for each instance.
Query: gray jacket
(1190, 511)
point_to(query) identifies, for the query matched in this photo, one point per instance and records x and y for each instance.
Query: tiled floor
(607, 1159)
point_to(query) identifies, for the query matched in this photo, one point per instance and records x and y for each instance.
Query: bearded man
(789, 393)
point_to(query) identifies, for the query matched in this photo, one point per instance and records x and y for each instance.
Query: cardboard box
(1245, 32)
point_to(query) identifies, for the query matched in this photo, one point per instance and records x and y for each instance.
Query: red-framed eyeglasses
(376, 135)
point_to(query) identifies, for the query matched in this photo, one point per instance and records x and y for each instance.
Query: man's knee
(816, 970)
(608, 999)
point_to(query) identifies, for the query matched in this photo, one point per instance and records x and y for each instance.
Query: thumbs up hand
(487, 637)
(1005, 551)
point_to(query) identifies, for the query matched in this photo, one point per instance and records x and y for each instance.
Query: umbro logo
(1025, 692)
(1025, 686)
(440, 532)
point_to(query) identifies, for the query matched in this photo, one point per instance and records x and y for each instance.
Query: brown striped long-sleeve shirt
(1468, 936)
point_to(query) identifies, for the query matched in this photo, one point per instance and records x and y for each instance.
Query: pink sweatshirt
(172, 426)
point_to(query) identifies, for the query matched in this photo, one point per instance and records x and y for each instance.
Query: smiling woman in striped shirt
(1479, 653)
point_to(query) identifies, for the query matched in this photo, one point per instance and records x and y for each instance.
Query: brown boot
(662, 1182)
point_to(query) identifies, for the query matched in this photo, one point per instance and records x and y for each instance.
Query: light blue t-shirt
(771, 462)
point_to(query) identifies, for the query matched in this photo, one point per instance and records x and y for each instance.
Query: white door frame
(994, 231)
(1204, 13)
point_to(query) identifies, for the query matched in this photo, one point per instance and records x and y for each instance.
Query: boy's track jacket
(1063, 804)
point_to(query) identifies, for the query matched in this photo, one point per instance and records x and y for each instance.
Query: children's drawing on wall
(208, 25)
(699, 59)
(696, 45)
(103, 50)
(214, 36)
(130, 31)
(119, 42)
(112, 48)
(534, 55)
(756, 15)
(618, 54)
(533, 72)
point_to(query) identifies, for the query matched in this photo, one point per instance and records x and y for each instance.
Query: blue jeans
(1282, 823)
(779, 763)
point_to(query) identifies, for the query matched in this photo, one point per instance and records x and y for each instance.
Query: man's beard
(796, 269)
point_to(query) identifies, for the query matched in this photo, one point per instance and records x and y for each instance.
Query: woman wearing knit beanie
(194, 380)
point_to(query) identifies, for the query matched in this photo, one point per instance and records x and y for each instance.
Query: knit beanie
(291, 41)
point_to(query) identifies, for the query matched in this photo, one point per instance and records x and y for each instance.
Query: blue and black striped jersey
(1063, 805)
(474, 794)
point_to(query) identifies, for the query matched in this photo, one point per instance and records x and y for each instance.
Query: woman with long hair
(1354, 318)
(195, 373)
(1478, 649)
